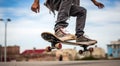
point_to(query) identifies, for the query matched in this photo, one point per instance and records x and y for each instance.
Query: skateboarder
(67, 8)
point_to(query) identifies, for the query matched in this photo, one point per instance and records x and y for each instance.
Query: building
(12, 52)
(98, 52)
(32, 52)
(66, 54)
(114, 49)
(37, 55)
(73, 54)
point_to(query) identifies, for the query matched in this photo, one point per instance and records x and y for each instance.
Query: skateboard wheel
(48, 49)
(80, 52)
(91, 49)
(58, 45)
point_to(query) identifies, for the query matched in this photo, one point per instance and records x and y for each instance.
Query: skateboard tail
(50, 37)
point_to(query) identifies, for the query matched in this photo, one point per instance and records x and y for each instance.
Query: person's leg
(63, 14)
(61, 24)
(80, 12)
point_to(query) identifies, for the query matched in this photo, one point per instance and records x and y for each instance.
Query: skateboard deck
(53, 39)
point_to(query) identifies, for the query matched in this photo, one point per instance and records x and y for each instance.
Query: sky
(26, 26)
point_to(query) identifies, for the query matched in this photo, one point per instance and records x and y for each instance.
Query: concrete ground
(64, 63)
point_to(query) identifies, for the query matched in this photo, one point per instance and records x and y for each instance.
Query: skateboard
(56, 43)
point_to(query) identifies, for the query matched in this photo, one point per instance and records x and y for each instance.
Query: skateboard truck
(53, 46)
(85, 47)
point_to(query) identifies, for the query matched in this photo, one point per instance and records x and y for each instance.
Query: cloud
(26, 26)
(105, 16)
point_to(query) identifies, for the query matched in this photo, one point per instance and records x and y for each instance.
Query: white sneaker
(64, 35)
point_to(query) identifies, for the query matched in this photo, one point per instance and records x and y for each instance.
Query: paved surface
(65, 63)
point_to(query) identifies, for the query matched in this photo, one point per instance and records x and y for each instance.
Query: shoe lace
(86, 36)
(64, 31)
